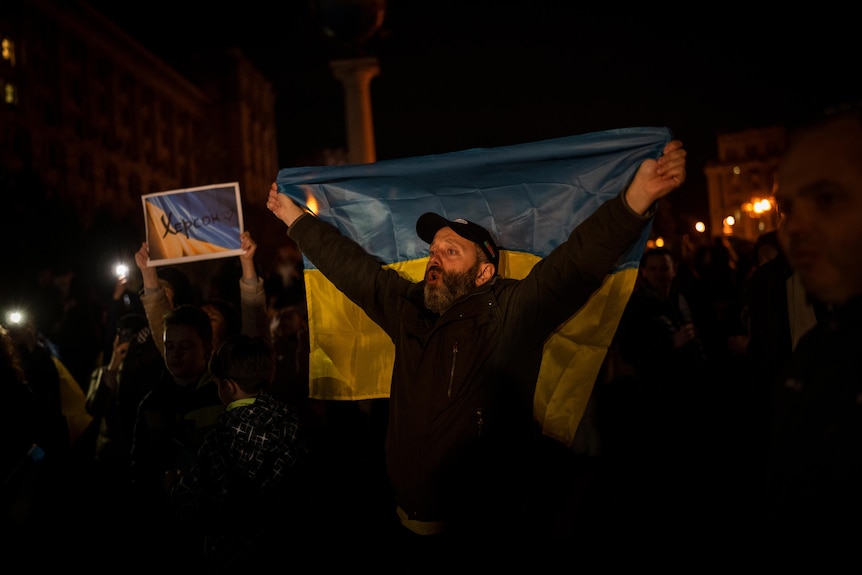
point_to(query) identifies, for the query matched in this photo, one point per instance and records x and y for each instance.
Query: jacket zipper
(452, 372)
(479, 421)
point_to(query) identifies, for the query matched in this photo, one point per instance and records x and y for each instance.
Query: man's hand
(282, 206)
(657, 178)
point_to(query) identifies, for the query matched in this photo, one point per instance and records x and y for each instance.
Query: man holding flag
(468, 348)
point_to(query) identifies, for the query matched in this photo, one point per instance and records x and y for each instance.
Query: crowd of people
(103, 488)
(170, 426)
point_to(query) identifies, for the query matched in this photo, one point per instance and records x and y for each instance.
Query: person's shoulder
(643, 294)
(267, 398)
(777, 265)
(282, 418)
(501, 284)
(161, 392)
(776, 269)
(273, 405)
(207, 385)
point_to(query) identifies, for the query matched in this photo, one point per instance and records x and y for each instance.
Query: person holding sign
(157, 302)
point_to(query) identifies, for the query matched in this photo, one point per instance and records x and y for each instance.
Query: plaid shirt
(248, 467)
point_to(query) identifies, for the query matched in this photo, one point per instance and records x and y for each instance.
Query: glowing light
(7, 50)
(757, 206)
(727, 225)
(700, 227)
(311, 204)
(761, 206)
(659, 242)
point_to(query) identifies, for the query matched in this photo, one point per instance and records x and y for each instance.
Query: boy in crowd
(245, 492)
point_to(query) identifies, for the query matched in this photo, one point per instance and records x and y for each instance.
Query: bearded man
(468, 347)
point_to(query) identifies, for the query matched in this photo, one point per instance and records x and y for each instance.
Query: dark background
(458, 74)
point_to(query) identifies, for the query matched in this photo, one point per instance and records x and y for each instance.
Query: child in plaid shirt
(246, 489)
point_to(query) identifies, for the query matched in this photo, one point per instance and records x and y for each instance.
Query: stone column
(355, 75)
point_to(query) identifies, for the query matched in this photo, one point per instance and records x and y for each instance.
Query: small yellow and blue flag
(193, 223)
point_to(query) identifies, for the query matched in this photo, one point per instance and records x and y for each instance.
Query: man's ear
(486, 272)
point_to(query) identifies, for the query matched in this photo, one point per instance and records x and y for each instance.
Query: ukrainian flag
(193, 222)
(529, 196)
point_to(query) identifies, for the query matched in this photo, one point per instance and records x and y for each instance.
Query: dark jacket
(816, 458)
(117, 409)
(171, 424)
(770, 344)
(646, 334)
(248, 483)
(462, 385)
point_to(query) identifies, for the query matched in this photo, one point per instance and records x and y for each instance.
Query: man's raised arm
(283, 207)
(657, 178)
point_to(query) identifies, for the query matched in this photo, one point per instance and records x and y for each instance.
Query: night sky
(458, 74)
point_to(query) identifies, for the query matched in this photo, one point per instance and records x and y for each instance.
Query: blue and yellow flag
(529, 196)
(193, 223)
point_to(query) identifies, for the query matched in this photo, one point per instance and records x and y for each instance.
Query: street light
(757, 207)
(727, 225)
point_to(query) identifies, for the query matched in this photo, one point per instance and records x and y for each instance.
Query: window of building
(57, 156)
(125, 116)
(147, 98)
(76, 91)
(167, 123)
(132, 149)
(51, 113)
(73, 49)
(135, 184)
(103, 70)
(166, 135)
(10, 93)
(7, 50)
(103, 105)
(112, 176)
(127, 84)
(186, 172)
(85, 167)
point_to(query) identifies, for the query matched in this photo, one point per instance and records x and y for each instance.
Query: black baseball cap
(430, 223)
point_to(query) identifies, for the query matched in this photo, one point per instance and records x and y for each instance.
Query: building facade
(90, 119)
(741, 181)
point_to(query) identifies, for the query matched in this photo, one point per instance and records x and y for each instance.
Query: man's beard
(454, 285)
